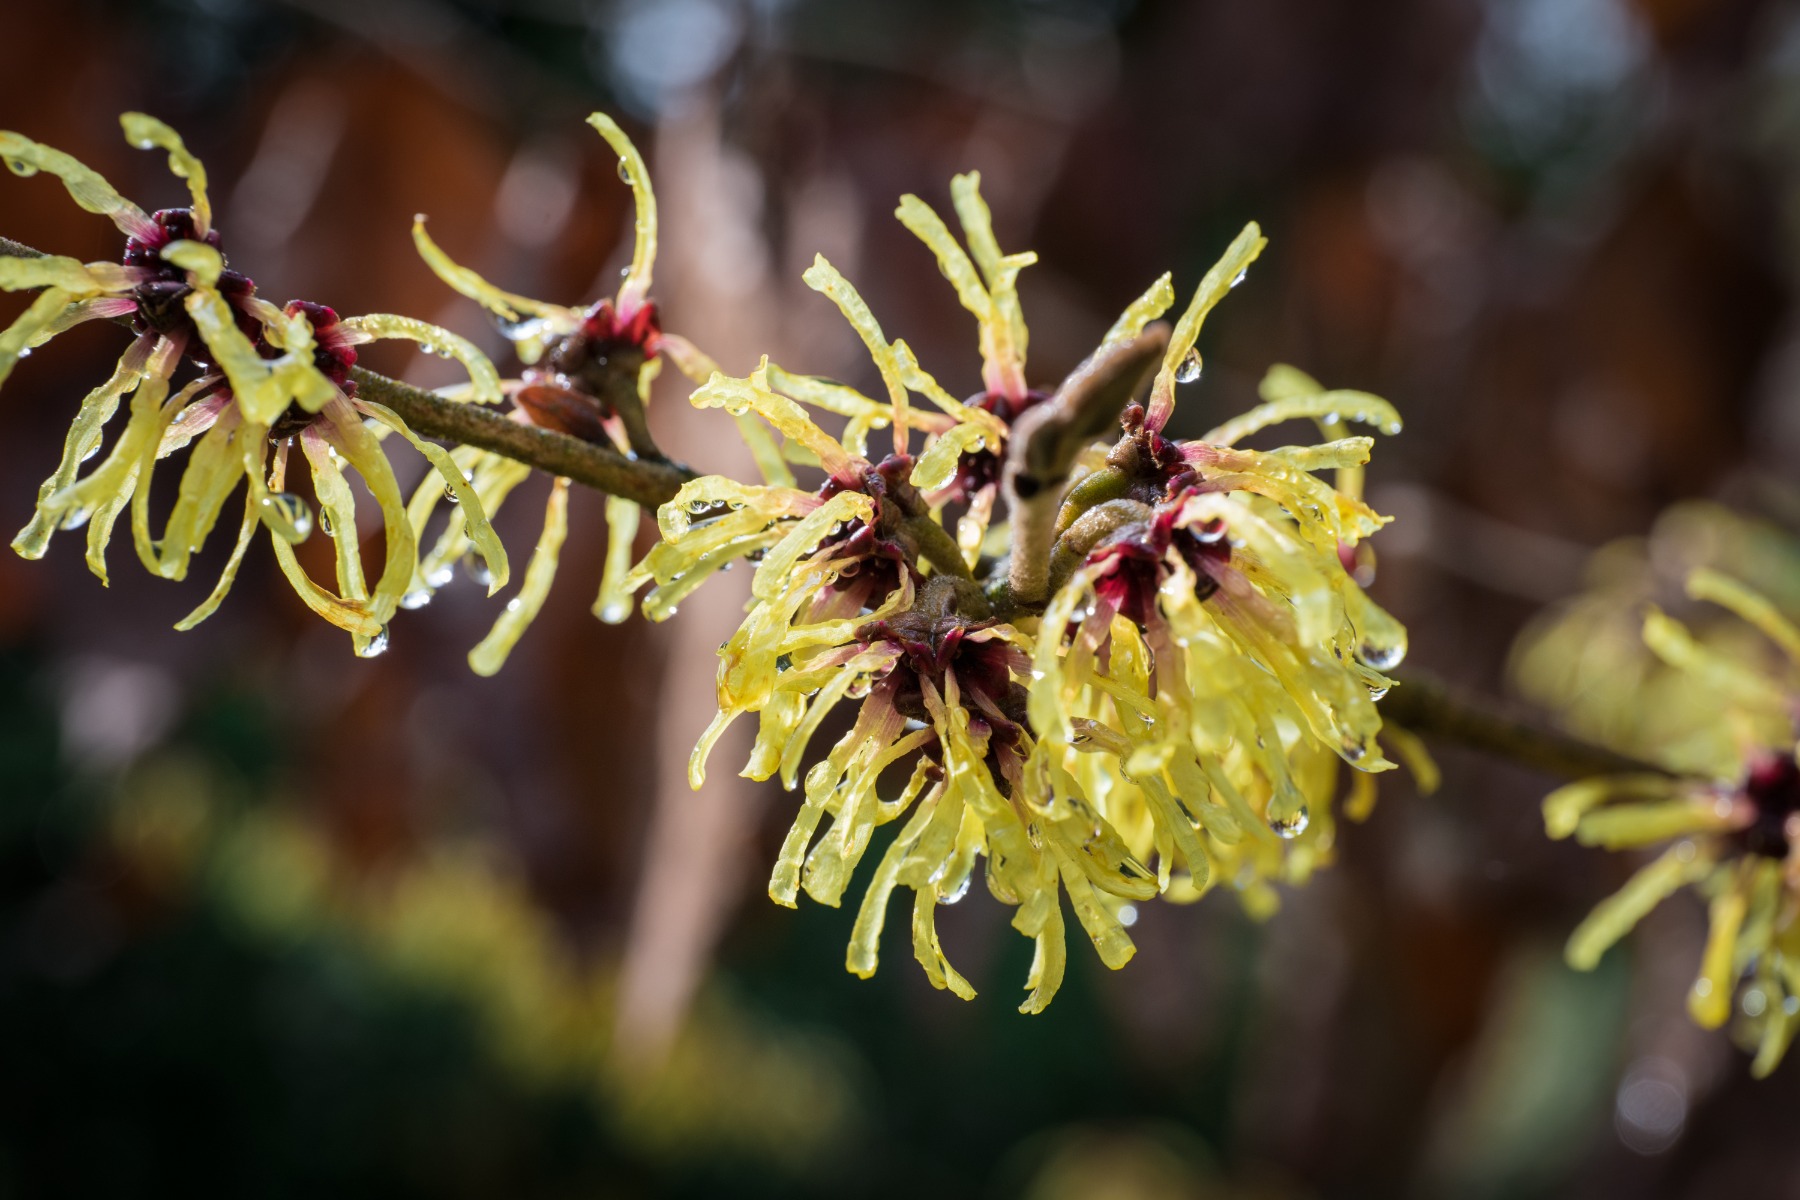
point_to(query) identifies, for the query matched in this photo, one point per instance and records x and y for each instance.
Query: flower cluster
(262, 378)
(1713, 704)
(1092, 659)
(587, 373)
(1139, 683)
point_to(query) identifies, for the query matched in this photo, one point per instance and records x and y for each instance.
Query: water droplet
(77, 518)
(514, 605)
(450, 496)
(438, 576)
(476, 568)
(325, 522)
(1292, 826)
(19, 166)
(1240, 277)
(1755, 1002)
(624, 170)
(144, 143)
(615, 612)
(1702, 987)
(1378, 691)
(24, 351)
(1382, 657)
(962, 889)
(416, 599)
(375, 646)
(1128, 915)
(1332, 418)
(1189, 370)
(290, 510)
(1791, 1005)
(1355, 752)
(90, 452)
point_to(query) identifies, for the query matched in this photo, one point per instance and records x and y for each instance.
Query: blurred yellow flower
(1729, 817)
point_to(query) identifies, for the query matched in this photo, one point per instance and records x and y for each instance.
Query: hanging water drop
(624, 170)
(325, 522)
(1290, 827)
(24, 351)
(1240, 277)
(450, 496)
(962, 889)
(416, 599)
(1189, 370)
(375, 646)
(77, 518)
(1382, 657)
(476, 568)
(439, 575)
(288, 514)
(19, 166)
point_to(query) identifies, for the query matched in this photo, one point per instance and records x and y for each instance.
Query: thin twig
(1436, 710)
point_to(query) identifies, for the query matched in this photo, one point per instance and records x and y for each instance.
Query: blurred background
(275, 920)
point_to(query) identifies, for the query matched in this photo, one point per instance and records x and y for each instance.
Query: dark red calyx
(932, 644)
(980, 468)
(1136, 558)
(1772, 789)
(161, 294)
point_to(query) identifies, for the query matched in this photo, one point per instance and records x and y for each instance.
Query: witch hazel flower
(263, 377)
(1206, 657)
(587, 373)
(1732, 834)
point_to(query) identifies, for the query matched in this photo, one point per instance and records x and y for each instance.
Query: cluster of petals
(1176, 713)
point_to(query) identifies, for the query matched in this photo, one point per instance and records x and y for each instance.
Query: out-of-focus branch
(647, 481)
(1435, 710)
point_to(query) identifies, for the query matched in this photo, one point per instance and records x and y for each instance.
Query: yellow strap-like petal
(147, 133)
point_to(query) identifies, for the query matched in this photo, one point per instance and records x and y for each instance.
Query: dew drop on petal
(1128, 915)
(439, 576)
(1292, 826)
(375, 646)
(624, 170)
(325, 522)
(1189, 370)
(476, 568)
(450, 496)
(1240, 277)
(1382, 656)
(19, 166)
(416, 599)
(77, 518)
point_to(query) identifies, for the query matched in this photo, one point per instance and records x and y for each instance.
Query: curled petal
(643, 251)
(484, 380)
(147, 133)
(86, 186)
(503, 304)
(1218, 281)
(488, 657)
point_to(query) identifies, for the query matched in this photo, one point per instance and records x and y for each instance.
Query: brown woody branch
(1425, 705)
(1434, 709)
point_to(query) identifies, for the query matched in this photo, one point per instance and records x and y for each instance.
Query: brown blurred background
(274, 920)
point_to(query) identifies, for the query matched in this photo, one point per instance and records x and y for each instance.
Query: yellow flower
(1184, 697)
(588, 373)
(266, 376)
(1732, 832)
